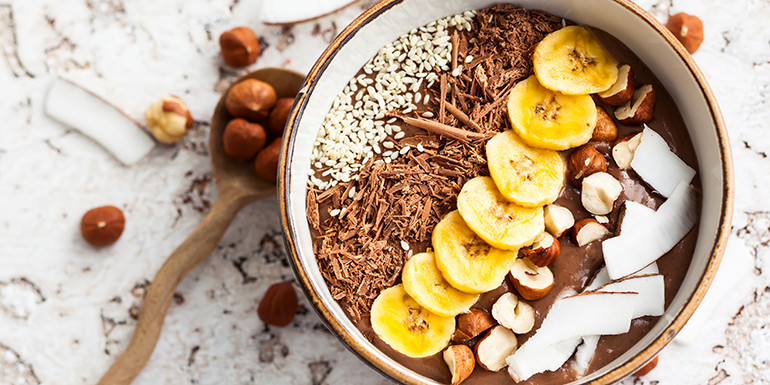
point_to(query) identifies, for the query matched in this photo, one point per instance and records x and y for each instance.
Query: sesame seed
(405, 246)
(355, 128)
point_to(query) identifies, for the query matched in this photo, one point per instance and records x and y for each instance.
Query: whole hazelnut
(688, 29)
(279, 115)
(605, 129)
(266, 163)
(243, 140)
(168, 119)
(239, 47)
(584, 161)
(250, 99)
(279, 304)
(102, 226)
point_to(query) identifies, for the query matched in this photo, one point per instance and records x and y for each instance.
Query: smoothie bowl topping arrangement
(496, 196)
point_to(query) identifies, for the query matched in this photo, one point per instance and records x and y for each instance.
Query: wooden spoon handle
(189, 254)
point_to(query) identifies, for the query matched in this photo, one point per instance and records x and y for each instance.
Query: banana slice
(423, 281)
(572, 61)
(407, 327)
(499, 222)
(549, 119)
(530, 177)
(465, 260)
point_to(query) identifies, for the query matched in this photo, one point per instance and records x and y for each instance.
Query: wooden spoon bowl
(237, 185)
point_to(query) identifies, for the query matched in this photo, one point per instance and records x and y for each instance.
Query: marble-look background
(65, 307)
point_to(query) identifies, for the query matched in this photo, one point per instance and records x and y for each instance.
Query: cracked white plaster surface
(67, 309)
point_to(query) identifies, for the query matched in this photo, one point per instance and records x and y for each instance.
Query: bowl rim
(625, 369)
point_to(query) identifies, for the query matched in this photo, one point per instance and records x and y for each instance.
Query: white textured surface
(65, 306)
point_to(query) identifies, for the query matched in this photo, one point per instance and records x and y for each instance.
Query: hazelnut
(640, 108)
(688, 29)
(599, 192)
(266, 164)
(471, 324)
(250, 99)
(239, 47)
(102, 226)
(279, 304)
(279, 115)
(623, 89)
(584, 161)
(243, 140)
(588, 230)
(605, 129)
(544, 251)
(168, 119)
(624, 150)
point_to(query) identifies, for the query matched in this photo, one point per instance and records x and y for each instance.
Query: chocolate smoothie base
(575, 265)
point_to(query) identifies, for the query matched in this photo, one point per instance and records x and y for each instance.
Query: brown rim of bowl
(652, 349)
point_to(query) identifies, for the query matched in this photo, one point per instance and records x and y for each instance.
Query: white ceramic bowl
(626, 21)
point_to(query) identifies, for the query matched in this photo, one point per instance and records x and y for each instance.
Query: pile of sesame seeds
(356, 129)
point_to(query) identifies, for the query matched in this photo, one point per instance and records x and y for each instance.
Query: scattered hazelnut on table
(279, 115)
(168, 119)
(243, 140)
(279, 304)
(102, 226)
(266, 163)
(250, 99)
(239, 47)
(688, 29)
(584, 161)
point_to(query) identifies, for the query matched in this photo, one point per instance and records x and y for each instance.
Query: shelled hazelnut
(168, 119)
(584, 161)
(266, 163)
(102, 226)
(239, 47)
(250, 99)
(279, 115)
(688, 29)
(279, 305)
(242, 139)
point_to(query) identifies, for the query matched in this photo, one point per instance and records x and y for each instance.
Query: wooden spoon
(237, 185)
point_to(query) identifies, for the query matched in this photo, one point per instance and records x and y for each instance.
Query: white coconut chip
(99, 120)
(651, 289)
(639, 246)
(658, 166)
(295, 11)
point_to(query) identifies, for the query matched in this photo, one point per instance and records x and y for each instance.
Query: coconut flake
(657, 165)
(99, 120)
(633, 214)
(653, 237)
(651, 289)
(585, 354)
(526, 362)
(296, 11)
(584, 314)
